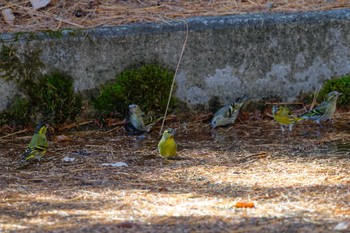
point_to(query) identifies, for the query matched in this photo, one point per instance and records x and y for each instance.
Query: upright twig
(172, 84)
(314, 100)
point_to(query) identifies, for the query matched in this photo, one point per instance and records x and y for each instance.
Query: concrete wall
(255, 54)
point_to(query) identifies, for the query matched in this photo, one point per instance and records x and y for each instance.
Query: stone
(37, 4)
(8, 15)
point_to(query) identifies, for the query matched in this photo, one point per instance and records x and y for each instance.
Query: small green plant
(57, 98)
(18, 113)
(340, 84)
(111, 100)
(147, 86)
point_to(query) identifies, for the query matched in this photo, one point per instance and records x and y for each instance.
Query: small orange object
(241, 204)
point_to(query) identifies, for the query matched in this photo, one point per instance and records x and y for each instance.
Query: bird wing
(151, 120)
(42, 143)
(323, 106)
(225, 111)
(319, 110)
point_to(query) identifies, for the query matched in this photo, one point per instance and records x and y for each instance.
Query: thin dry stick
(314, 100)
(11, 134)
(172, 84)
(284, 103)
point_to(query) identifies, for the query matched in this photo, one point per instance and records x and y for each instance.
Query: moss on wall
(148, 86)
(50, 97)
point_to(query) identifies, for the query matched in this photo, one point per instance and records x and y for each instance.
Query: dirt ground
(60, 14)
(298, 181)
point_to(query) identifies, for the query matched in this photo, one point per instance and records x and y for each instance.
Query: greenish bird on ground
(227, 114)
(284, 116)
(325, 110)
(137, 122)
(37, 146)
(167, 146)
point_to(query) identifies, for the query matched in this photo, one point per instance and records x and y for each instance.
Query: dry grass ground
(298, 182)
(62, 14)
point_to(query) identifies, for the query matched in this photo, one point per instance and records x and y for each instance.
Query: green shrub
(18, 113)
(340, 84)
(21, 109)
(111, 100)
(58, 101)
(53, 102)
(147, 86)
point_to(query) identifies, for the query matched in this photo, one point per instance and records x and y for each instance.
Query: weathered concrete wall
(254, 54)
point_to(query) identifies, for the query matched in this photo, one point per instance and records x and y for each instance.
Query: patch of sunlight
(270, 174)
(11, 227)
(107, 214)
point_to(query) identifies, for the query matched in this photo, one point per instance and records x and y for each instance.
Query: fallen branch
(11, 134)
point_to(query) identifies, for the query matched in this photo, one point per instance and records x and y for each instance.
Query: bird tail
(297, 119)
(33, 152)
(237, 104)
(241, 100)
(26, 155)
(152, 121)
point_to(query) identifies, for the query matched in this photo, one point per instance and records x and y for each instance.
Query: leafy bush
(18, 113)
(147, 86)
(53, 102)
(341, 84)
(57, 98)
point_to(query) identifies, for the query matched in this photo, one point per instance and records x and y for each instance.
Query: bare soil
(60, 14)
(298, 181)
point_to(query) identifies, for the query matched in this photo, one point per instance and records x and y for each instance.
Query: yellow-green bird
(228, 113)
(284, 117)
(167, 146)
(37, 146)
(325, 110)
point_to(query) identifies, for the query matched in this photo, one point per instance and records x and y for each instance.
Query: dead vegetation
(60, 14)
(298, 182)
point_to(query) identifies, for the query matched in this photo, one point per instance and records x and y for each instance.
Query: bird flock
(138, 123)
